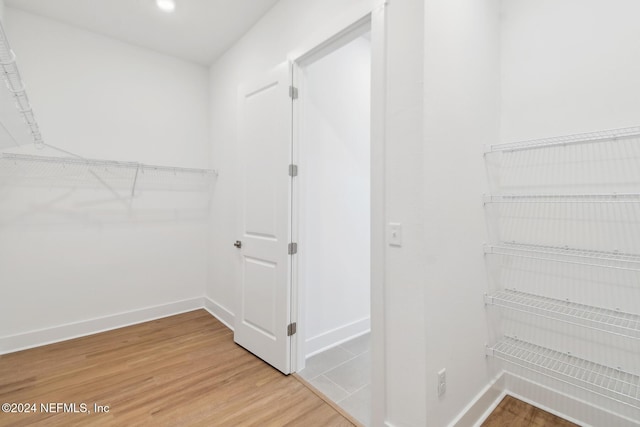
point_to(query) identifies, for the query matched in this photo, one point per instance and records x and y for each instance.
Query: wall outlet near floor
(442, 381)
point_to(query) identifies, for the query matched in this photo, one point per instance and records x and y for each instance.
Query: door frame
(376, 17)
(298, 287)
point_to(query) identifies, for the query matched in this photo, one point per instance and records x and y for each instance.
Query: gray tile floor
(343, 374)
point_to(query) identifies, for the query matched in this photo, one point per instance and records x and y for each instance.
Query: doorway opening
(332, 218)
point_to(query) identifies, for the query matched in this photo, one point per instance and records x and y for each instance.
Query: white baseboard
(334, 337)
(490, 409)
(220, 312)
(482, 405)
(40, 337)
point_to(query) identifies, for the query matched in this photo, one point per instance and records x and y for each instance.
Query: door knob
(238, 244)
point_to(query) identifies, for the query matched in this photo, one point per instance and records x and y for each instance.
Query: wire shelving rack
(609, 382)
(108, 173)
(566, 140)
(563, 198)
(602, 319)
(592, 258)
(614, 203)
(16, 87)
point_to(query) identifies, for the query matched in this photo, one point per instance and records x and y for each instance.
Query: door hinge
(293, 248)
(293, 92)
(293, 170)
(291, 329)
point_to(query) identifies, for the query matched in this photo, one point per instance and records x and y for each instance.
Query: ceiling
(198, 30)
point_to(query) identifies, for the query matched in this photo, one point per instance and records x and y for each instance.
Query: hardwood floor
(182, 370)
(512, 412)
(177, 371)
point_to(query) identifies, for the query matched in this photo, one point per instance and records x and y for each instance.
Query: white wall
(71, 252)
(405, 276)
(569, 66)
(290, 27)
(444, 98)
(106, 99)
(334, 183)
(440, 111)
(435, 178)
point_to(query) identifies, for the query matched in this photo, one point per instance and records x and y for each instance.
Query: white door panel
(263, 297)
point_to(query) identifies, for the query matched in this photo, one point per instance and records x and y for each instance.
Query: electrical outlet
(442, 381)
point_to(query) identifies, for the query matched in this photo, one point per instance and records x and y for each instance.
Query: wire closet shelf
(597, 318)
(104, 170)
(613, 383)
(104, 163)
(563, 198)
(16, 87)
(570, 188)
(591, 258)
(611, 135)
(76, 167)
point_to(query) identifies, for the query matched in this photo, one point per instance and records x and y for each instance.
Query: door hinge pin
(291, 329)
(293, 248)
(293, 92)
(293, 170)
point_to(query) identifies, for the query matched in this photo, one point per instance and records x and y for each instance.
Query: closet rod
(565, 140)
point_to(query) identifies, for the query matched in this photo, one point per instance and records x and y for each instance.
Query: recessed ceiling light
(166, 5)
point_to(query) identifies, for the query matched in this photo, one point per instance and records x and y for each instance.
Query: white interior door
(263, 297)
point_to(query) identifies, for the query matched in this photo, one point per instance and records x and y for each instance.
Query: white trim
(220, 312)
(333, 36)
(329, 30)
(306, 346)
(378, 211)
(337, 336)
(490, 409)
(296, 292)
(341, 38)
(482, 405)
(67, 331)
(378, 116)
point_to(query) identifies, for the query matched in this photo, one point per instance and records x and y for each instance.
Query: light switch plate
(395, 234)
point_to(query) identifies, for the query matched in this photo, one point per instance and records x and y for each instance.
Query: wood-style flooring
(512, 412)
(183, 370)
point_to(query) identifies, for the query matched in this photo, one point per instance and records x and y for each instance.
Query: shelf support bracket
(135, 180)
(111, 190)
(488, 351)
(488, 299)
